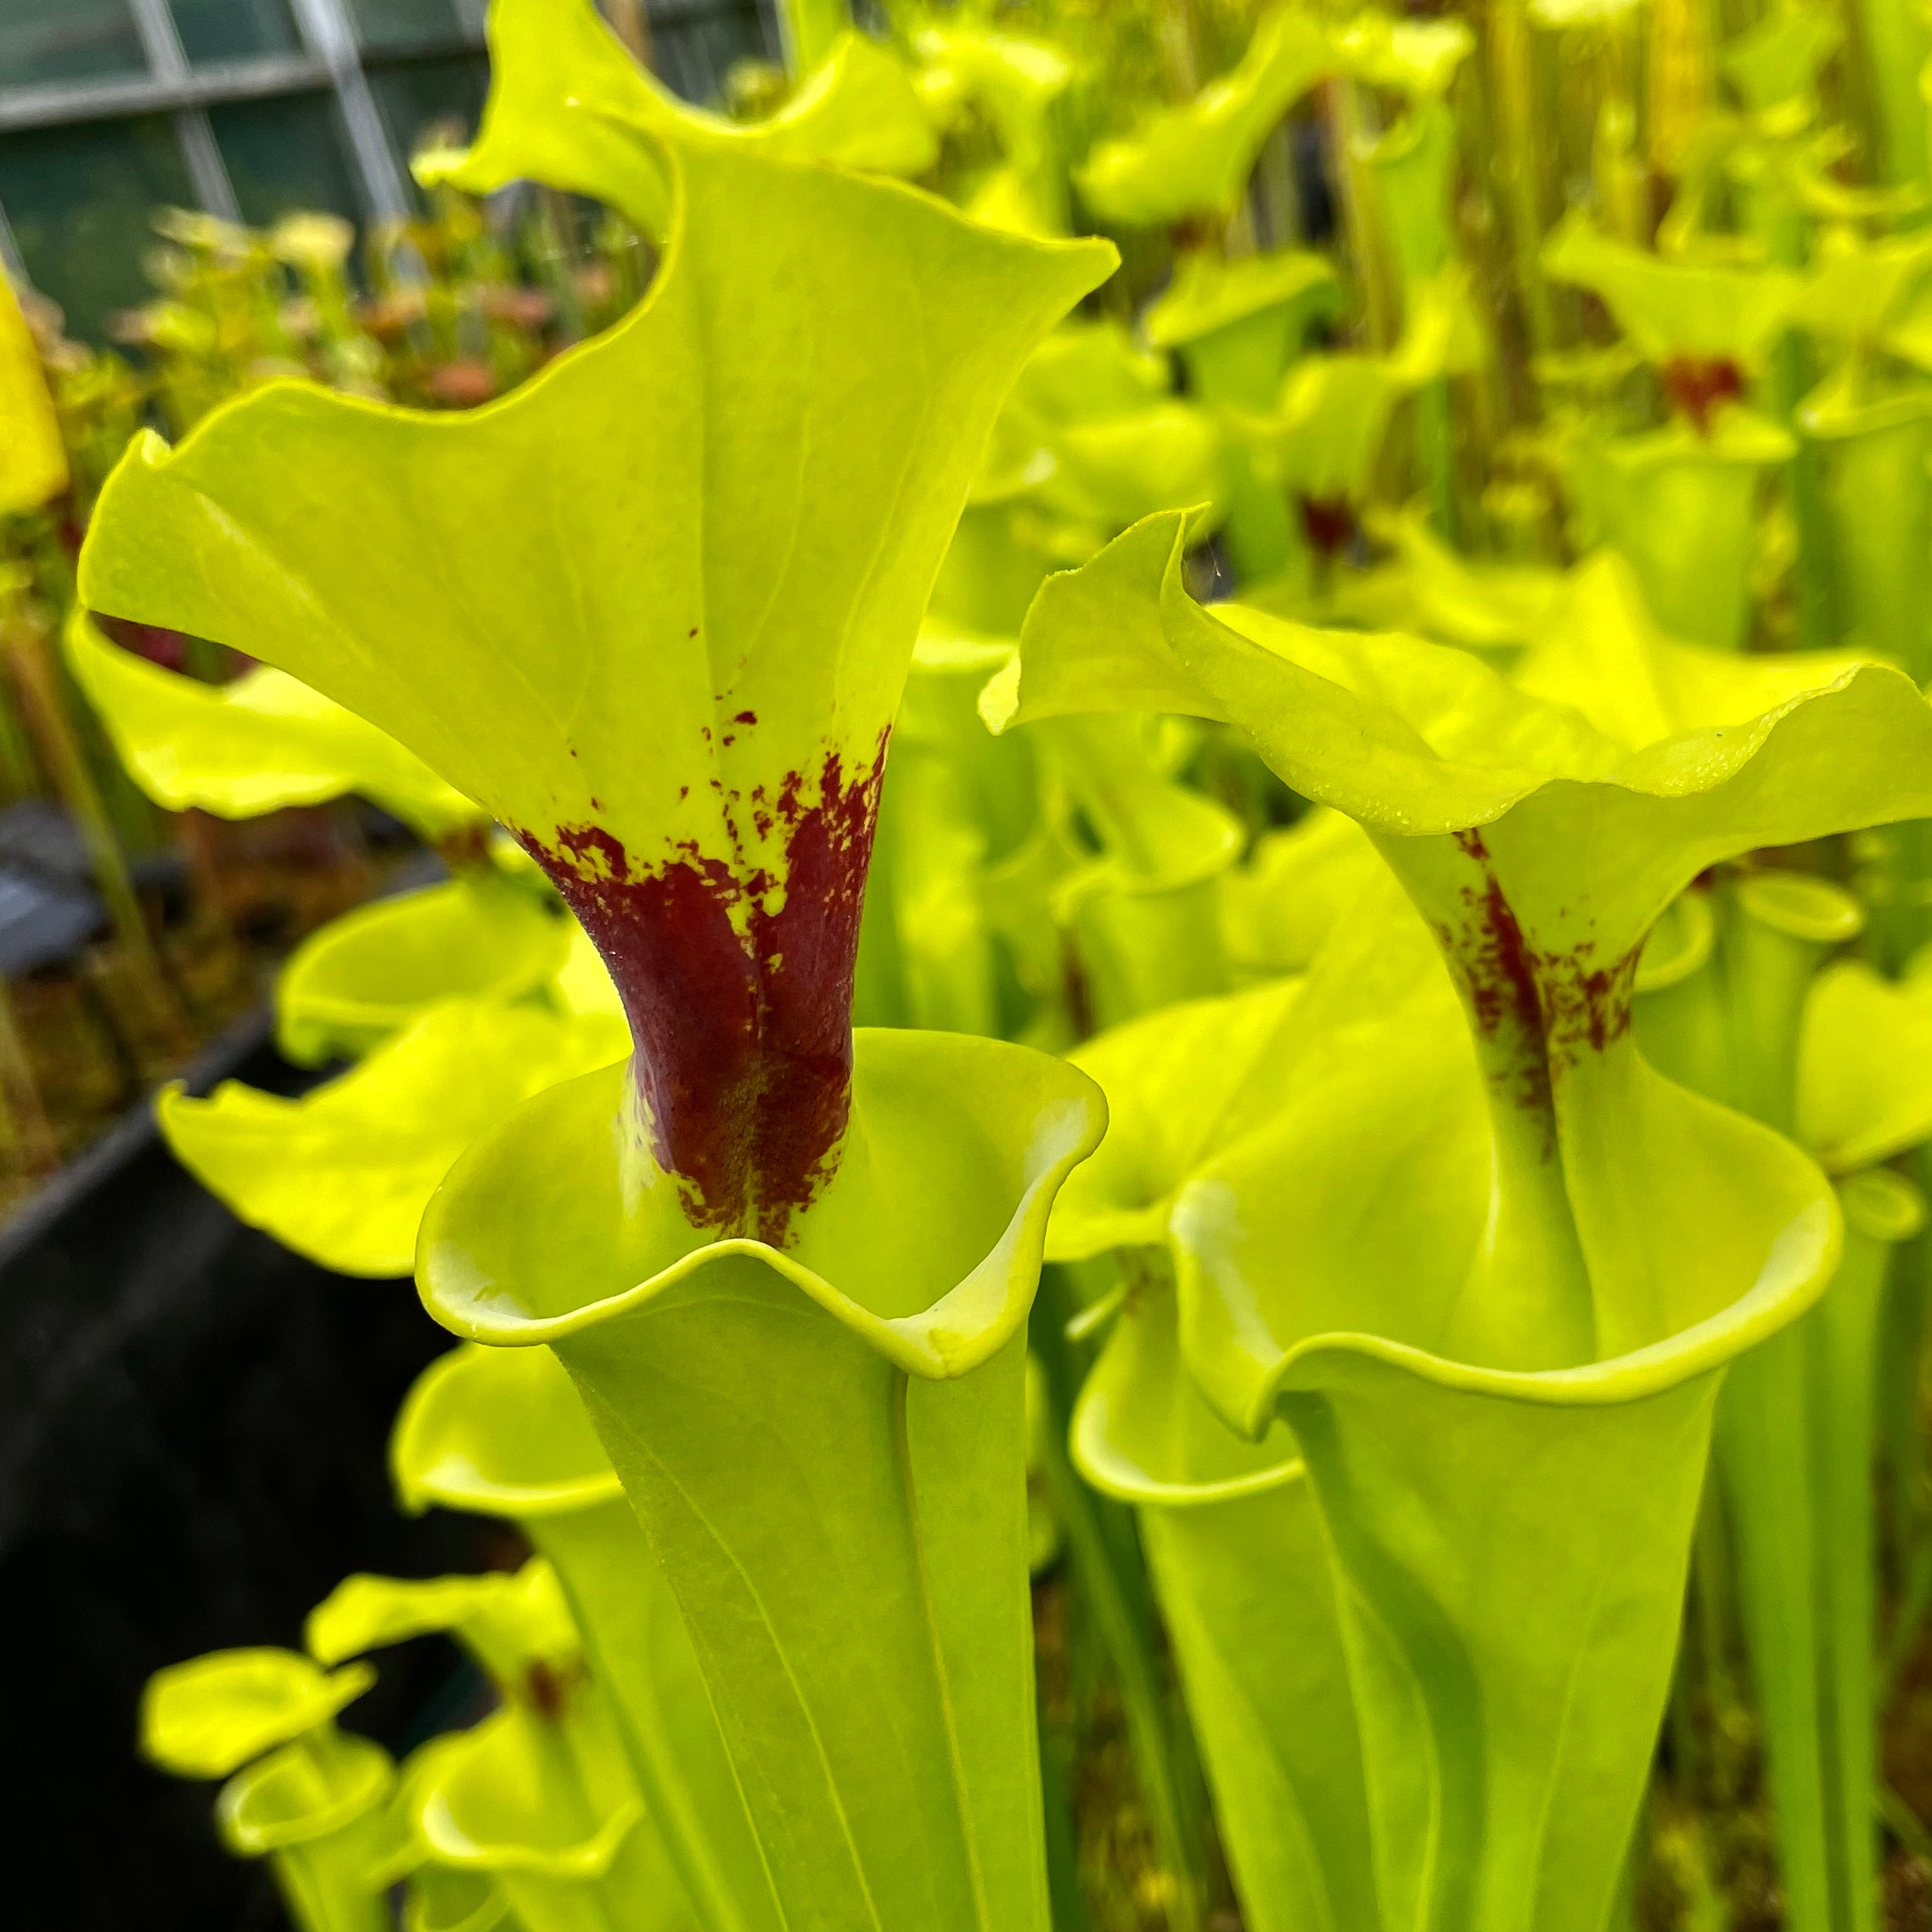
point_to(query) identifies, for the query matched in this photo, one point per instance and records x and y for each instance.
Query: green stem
(1775, 930)
(1763, 1451)
(1108, 1574)
(1896, 47)
(1365, 243)
(502, 1434)
(1842, 1334)
(1794, 1449)
(1435, 446)
(1904, 1824)
(1901, 1359)
(1877, 505)
(1789, 378)
(1517, 167)
(1705, 1663)
(1779, 224)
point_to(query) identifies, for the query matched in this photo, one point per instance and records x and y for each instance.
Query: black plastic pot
(192, 1434)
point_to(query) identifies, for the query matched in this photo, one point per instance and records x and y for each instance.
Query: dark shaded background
(193, 1426)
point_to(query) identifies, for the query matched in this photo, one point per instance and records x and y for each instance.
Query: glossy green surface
(1197, 155)
(568, 106)
(851, 1569)
(502, 1432)
(1499, 1371)
(210, 1717)
(344, 1174)
(363, 978)
(635, 646)
(253, 746)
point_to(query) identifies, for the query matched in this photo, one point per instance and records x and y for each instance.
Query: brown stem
(1517, 163)
(634, 28)
(24, 644)
(22, 1114)
(1359, 213)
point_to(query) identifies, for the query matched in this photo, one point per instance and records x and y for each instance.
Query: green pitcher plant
(958, 804)
(1195, 159)
(362, 978)
(1840, 1059)
(1493, 1320)
(502, 1433)
(343, 1174)
(537, 1797)
(253, 746)
(459, 1000)
(312, 1798)
(569, 107)
(685, 729)
(1561, 1336)
(1236, 325)
(1681, 502)
(494, 1806)
(35, 469)
(1019, 83)
(1139, 895)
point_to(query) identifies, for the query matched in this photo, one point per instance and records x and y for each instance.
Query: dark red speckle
(746, 718)
(1329, 524)
(168, 648)
(1551, 1007)
(1697, 384)
(549, 1690)
(745, 1044)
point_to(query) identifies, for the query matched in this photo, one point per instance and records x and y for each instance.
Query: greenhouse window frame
(332, 59)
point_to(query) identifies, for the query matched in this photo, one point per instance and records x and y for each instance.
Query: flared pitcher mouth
(1005, 1125)
(453, 1836)
(455, 1441)
(481, 1907)
(1103, 1427)
(1802, 1263)
(1803, 1258)
(1112, 1469)
(281, 1801)
(211, 1716)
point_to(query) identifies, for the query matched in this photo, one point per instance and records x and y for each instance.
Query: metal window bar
(11, 265)
(153, 19)
(691, 39)
(328, 34)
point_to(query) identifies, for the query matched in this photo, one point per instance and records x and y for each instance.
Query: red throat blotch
(741, 1016)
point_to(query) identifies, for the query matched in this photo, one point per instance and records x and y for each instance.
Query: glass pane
(694, 51)
(79, 200)
(67, 40)
(233, 29)
(382, 24)
(414, 95)
(284, 155)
